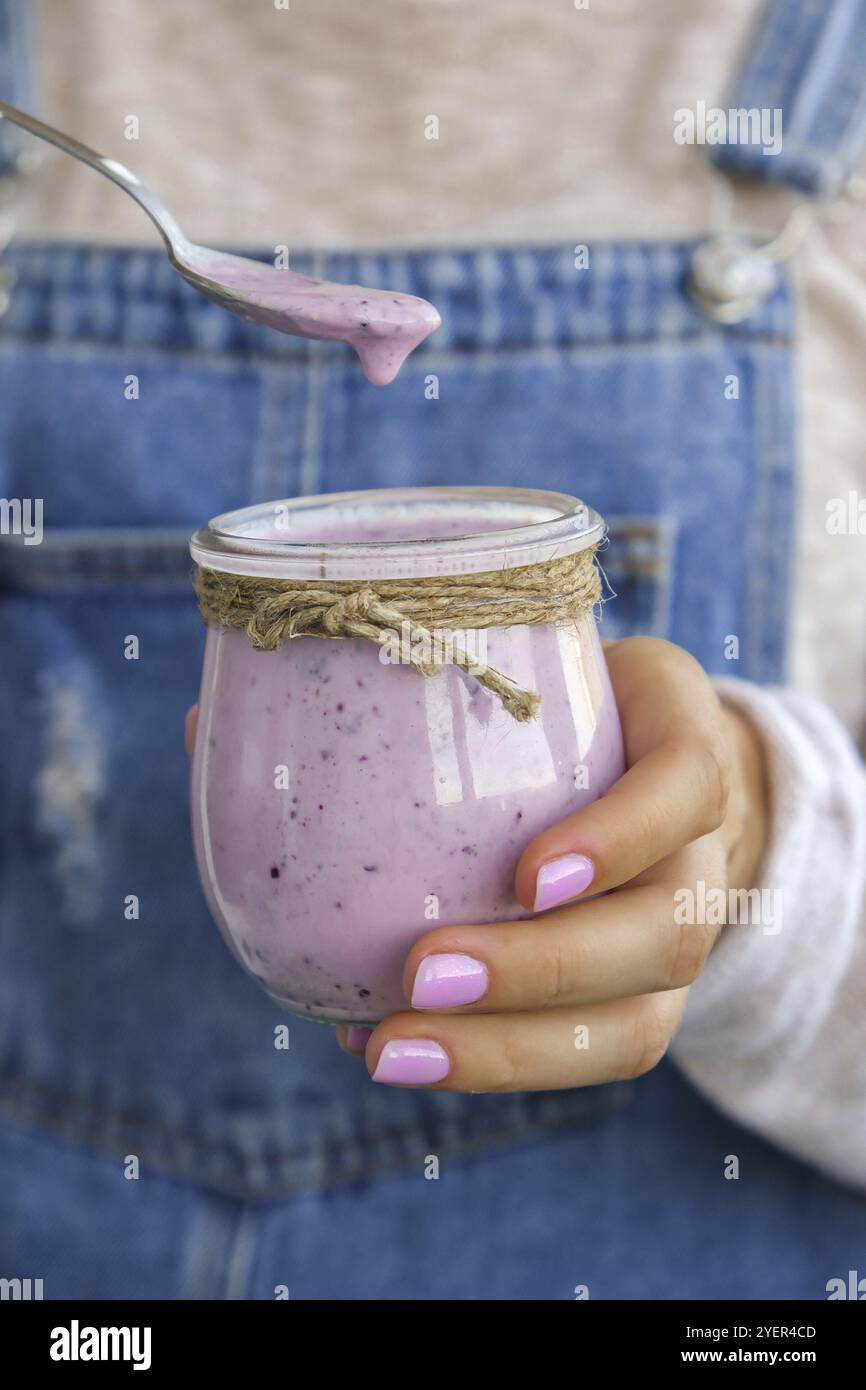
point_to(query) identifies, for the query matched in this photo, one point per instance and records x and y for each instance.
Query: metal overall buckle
(732, 275)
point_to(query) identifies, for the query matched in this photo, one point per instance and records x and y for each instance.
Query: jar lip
(551, 524)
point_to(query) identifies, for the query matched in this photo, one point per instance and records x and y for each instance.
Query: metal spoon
(383, 326)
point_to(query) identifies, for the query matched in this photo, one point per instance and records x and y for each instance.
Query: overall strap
(17, 76)
(808, 62)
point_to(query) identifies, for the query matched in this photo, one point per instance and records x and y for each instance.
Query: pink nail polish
(445, 981)
(561, 879)
(356, 1038)
(418, 1062)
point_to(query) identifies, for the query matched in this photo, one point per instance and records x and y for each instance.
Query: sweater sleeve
(774, 1030)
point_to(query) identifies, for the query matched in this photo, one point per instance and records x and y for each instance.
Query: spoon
(383, 326)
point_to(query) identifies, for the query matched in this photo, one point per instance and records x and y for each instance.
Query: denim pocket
(638, 565)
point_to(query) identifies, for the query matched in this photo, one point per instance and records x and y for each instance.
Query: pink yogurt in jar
(342, 804)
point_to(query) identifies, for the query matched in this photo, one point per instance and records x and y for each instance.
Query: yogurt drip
(383, 326)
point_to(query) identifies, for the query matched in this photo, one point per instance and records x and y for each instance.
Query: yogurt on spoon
(383, 326)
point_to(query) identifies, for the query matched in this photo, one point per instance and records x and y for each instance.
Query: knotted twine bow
(272, 611)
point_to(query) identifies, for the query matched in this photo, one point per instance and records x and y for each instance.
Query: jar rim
(247, 540)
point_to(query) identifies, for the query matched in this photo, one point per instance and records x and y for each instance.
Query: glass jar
(343, 804)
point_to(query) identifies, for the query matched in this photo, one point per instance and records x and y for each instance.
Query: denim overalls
(125, 1039)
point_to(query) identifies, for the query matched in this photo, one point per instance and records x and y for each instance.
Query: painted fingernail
(444, 981)
(418, 1062)
(561, 879)
(356, 1038)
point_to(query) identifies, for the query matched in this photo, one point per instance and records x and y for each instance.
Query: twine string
(273, 611)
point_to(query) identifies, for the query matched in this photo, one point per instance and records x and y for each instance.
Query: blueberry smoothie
(343, 805)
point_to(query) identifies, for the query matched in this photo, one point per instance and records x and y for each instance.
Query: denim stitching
(44, 284)
(334, 1161)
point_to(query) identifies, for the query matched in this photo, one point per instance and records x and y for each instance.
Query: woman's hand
(593, 990)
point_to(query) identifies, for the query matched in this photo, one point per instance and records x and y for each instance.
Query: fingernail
(561, 879)
(444, 981)
(418, 1062)
(356, 1038)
